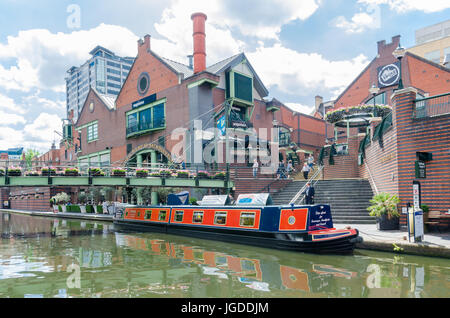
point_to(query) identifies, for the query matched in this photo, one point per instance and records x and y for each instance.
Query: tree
(30, 154)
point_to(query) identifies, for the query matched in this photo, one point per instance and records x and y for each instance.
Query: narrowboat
(252, 220)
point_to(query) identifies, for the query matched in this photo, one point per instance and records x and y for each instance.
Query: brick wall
(422, 135)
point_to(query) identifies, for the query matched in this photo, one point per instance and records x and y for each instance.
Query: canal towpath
(434, 243)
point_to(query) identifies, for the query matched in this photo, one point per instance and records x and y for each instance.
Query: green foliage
(30, 154)
(384, 204)
(61, 198)
(193, 201)
(425, 208)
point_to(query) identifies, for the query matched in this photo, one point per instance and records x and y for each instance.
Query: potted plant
(71, 172)
(220, 175)
(183, 174)
(141, 173)
(203, 174)
(61, 199)
(14, 172)
(48, 171)
(384, 208)
(165, 173)
(82, 199)
(117, 172)
(425, 209)
(193, 201)
(96, 172)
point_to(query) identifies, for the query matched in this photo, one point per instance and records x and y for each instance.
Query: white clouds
(359, 23)
(305, 109)
(10, 119)
(403, 6)
(43, 57)
(293, 71)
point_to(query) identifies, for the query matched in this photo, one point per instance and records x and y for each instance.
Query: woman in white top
(305, 170)
(255, 168)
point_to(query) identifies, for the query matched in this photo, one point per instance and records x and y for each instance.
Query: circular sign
(389, 75)
(291, 220)
(143, 83)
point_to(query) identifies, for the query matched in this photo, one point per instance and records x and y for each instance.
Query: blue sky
(299, 48)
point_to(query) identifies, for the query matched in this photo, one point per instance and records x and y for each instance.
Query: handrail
(299, 193)
(371, 178)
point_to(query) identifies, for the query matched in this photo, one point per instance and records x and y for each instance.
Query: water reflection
(44, 257)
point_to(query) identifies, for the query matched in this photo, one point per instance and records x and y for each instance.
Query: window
(148, 214)
(179, 216)
(112, 71)
(220, 218)
(162, 215)
(198, 217)
(92, 132)
(247, 219)
(139, 214)
(146, 117)
(243, 87)
(380, 99)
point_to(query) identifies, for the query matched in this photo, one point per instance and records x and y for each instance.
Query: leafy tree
(30, 154)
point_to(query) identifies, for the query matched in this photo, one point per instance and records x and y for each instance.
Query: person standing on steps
(305, 170)
(309, 194)
(255, 168)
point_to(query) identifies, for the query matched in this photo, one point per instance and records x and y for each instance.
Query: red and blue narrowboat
(252, 220)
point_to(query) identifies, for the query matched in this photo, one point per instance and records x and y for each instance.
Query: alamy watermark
(74, 19)
(74, 279)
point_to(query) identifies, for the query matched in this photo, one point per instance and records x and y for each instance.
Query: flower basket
(154, 174)
(141, 173)
(203, 175)
(220, 175)
(48, 172)
(118, 173)
(337, 115)
(96, 172)
(183, 174)
(14, 172)
(165, 173)
(71, 172)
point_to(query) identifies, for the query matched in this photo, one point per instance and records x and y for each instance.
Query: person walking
(309, 194)
(255, 168)
(311, 161)
(306, 170)
(289, 168)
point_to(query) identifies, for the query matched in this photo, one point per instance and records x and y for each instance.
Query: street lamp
(399, 53)
(374, 91)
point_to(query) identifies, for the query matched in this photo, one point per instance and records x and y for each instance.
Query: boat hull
(298, 242)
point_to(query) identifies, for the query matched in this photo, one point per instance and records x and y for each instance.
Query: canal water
(46, 257)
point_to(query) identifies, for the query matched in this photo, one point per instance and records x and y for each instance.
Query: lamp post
(374, 91)
(399, 53)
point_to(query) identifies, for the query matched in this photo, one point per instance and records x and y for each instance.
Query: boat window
(247, 219)
(148, 214)
(179, 216)
(139, 214)
(198, 217)
(162, 215)
(220, 218)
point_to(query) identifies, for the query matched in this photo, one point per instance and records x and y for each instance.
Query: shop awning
(299, 150)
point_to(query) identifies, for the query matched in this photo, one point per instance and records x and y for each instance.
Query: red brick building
(161, 96)
(417, 129)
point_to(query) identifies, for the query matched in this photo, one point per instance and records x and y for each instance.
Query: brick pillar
(402, 117)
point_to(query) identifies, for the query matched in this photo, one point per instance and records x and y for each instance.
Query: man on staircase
(309, 194)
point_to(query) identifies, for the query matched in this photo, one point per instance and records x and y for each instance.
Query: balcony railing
(432, 106)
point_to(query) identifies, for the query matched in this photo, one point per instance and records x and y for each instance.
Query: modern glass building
(104, 71)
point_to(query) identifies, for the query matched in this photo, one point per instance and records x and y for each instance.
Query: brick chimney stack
(144, 45)
(199, 41)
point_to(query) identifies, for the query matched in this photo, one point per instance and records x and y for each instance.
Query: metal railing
(432, 106)
(313, 178)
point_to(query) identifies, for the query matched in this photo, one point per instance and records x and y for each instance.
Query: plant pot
(385, 224)
(71, 174)
(141, 175)
(118, 174)
(48, 173)
(83, 208)
(14, 173)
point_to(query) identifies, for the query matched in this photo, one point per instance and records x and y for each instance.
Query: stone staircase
(348, 198)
